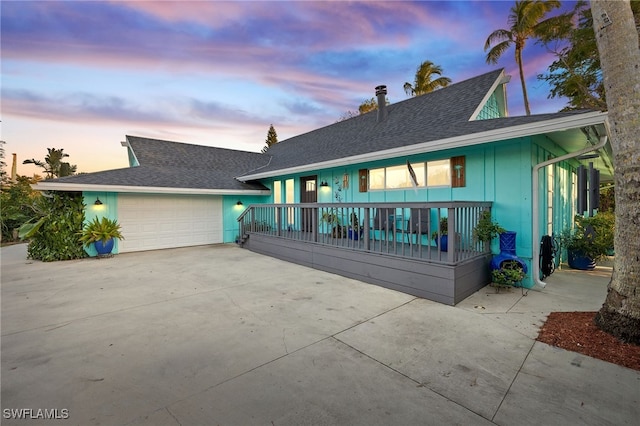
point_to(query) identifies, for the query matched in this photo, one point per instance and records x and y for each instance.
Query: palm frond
(496, 52)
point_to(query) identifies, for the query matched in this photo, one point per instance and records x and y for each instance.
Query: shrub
(591, 236)
(16, 203)
(486, 229)
(509, 273)
(55, 235)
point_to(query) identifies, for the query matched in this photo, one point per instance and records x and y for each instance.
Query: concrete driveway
(220, 335)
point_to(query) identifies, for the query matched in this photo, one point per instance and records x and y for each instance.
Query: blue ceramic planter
(444, 242)
(103, 248)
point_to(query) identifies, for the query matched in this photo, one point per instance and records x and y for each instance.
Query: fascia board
(553, 125)
(56, 186)
(485, 99)
(127, 145)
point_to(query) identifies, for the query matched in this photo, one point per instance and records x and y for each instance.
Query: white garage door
(152, 222)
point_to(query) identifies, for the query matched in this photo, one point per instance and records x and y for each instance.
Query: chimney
(381, 93)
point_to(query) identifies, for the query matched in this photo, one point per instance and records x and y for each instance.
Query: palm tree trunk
(522, 81)
(620, 60)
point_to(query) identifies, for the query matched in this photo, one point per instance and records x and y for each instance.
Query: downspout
(535, 262)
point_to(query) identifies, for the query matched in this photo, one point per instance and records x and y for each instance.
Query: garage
(151, 221)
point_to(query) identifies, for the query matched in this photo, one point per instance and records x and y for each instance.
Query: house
(449, 154)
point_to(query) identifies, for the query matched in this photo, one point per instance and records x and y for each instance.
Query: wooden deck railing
(413, 230)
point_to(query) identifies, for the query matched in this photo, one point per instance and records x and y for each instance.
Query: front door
(308, 194)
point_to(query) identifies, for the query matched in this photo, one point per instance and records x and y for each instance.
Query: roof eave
(58, 186)
(552, 125)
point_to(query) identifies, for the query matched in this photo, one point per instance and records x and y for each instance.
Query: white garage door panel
(154, 222)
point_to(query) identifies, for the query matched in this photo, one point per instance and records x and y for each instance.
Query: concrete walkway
(218, 335)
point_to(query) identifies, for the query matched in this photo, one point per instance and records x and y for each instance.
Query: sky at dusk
(80, 75)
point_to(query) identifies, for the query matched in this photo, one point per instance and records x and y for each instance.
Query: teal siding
(109, 209)
(231, 211)
(563, 199)
(490, 109)
(499, 172)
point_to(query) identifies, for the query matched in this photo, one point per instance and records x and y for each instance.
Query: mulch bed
(577, 332)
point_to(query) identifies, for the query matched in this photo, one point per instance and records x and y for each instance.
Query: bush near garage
(56, 233)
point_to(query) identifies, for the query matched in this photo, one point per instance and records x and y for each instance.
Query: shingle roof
(436, 116)
(419, 119)
(179, 165)
(439, 115)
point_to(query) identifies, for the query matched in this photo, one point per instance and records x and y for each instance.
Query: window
(431, 173)
(289, 189)
(277, 192)
(439, 173)
(376, 179)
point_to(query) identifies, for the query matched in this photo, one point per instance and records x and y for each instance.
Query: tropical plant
(444, 228)
(486, 229)
(591, 236)
(424, 81)
(526, 21)
(331, 218)
(53, 233)
(617, 40)
(354, 223)
(510, 273)
(101, 230)
(53, 165)
(16, 203)
(272, 139)
(576, 73)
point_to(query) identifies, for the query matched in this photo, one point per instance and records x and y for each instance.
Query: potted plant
(509, 274)
(330, 217)
(590, 240)
(444, 238)
(101, 233)
(486, 229)
(354, 227)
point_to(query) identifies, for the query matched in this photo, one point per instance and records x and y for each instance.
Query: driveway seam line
(515, 376)
(419, 384)
(332, 336)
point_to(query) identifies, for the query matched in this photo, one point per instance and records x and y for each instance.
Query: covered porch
(403, 246)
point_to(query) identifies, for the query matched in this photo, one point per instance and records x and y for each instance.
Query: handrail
(400, 204)
(398, 231)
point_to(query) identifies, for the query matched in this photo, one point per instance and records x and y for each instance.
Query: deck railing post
(279, 221)
(367, 224)
(252, 224)
(314, 225)
(451, 231)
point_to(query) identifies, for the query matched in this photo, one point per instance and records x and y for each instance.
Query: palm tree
(526, 21)
(53, 165)
(423, 82)
(617, 39)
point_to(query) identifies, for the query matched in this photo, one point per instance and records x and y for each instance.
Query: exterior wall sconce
(97, 202)
(324, 184)
(239, 203)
